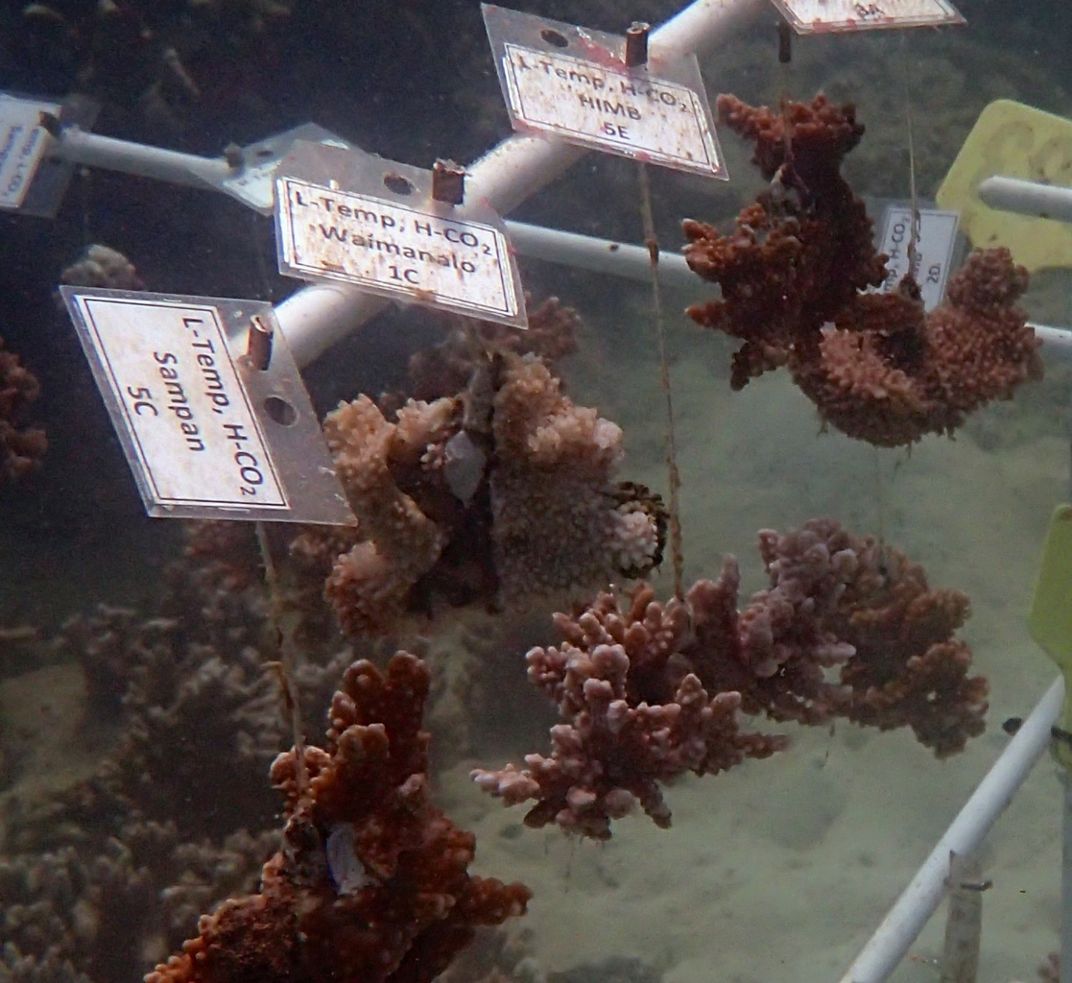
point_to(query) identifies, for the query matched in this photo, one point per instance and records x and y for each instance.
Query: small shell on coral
(464, 466)
(347, 872)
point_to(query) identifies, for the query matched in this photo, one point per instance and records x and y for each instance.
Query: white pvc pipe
(905, 920)
(601, 255)
(1012, 194)
(318, 314)
(80, 147)
(314, 319)
(1057, 341)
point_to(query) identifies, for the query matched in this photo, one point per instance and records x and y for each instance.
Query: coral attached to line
(792, 274)
(372, 883)
(647, 691)
(21, 446)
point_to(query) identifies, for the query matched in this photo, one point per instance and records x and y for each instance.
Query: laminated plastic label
(206, 433)
(936, 247)
(32, 181)
(253, 183)
(829, 16)
(564, 81)
(353, 217)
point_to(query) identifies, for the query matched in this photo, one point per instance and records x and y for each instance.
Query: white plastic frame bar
(126, 157)
(601, 255)
(1056, 341)
(344, 309)
(1013, 194)
(314, 318)
(905, 920)
(81, 147)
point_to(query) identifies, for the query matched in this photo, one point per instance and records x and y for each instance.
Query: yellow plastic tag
(1012, 140)
(1050, 618)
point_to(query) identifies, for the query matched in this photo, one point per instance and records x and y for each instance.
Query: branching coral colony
(792, 275)
(372, 882)
(483, 483)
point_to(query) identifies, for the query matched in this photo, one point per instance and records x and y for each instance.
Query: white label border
(711, 164)
(509, 308)
(101, 353)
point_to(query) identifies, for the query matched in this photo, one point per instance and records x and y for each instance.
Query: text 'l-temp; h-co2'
(207, 432)
(459, 264)
(195, 435)
(651, 118)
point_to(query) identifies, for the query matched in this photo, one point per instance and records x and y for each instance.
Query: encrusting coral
(792, 274)
(21, 446)
(101, 266)
(371, 883)
(647, 691)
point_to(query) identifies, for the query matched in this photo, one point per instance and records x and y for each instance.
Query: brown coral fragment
(908, 669)
(371, 884)
(634, 713)
(887, 374)
(801, 251)
(21, 446)
(791, 276)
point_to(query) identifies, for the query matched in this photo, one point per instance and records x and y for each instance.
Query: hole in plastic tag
(206, 434)
(573, 83)
(350, 216)
(31, 180)
(828, 16)
(253, 183)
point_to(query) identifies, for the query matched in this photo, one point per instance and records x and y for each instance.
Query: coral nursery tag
(31, 181)
(254, 182)
(206, 432)
(823, 16)
(22, 145)
(572, 83)
(937, 241)
(342, 214)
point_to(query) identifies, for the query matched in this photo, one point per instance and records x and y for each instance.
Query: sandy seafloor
(778, 871)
